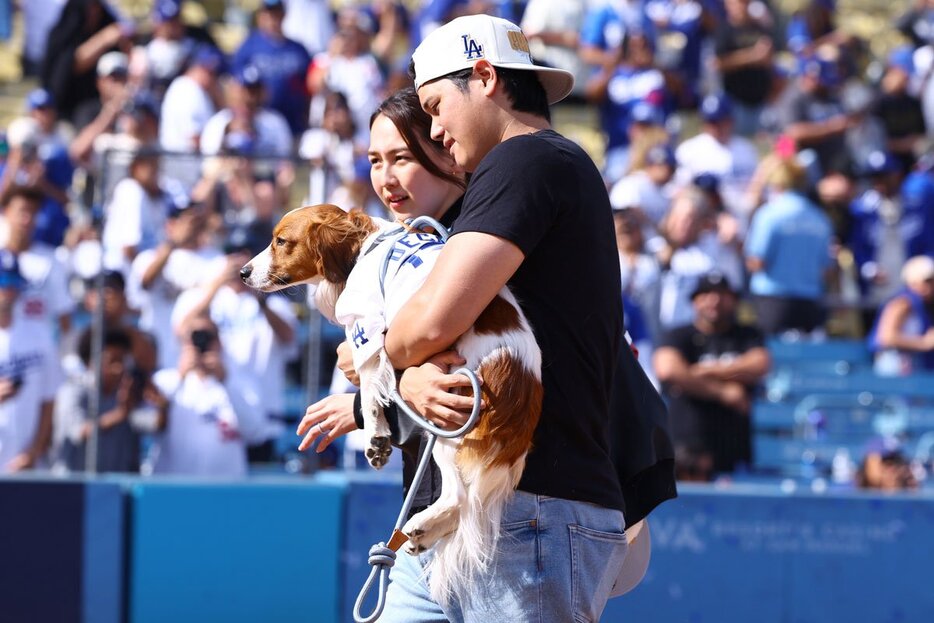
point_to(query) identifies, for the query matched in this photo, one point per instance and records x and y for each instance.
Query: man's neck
(6, 319)
(17, 244)
(523, 123)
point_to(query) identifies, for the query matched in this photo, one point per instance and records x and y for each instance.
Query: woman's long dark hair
(414, 124)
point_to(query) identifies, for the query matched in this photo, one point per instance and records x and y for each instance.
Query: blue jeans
(556, 562)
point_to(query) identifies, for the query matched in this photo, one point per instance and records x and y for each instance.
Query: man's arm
(40, 442)
(472, 268)
(748, 368)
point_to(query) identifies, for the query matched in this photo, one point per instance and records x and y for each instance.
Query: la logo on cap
(472, 50)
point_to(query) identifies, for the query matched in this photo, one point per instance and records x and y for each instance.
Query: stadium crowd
(762, 168)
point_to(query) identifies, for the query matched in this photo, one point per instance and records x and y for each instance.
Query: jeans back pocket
(596, 558)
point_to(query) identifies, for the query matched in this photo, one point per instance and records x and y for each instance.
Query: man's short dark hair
(113, 338)
(522, 87)
(33, 195)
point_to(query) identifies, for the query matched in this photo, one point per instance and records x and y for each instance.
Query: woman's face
(402, 183)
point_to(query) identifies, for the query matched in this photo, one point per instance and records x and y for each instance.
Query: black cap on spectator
(712, 282)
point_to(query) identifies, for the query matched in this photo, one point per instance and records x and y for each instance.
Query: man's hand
(20, 462)
(427, 389)
(345, 363)
(735, 396)
(8, 389)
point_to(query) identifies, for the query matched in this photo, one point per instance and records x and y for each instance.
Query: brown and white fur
(321, 245)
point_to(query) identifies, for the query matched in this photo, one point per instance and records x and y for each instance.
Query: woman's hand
(427, 389)
(327, 419)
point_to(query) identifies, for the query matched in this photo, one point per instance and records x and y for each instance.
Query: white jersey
(186, 108)
(733, 163)
(254, 359)
(273, 136)
(201, 437)
(26, 353)
(134, 219)
(46, 296)
(185, 269)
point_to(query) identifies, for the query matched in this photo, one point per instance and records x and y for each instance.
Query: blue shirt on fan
(283, 64)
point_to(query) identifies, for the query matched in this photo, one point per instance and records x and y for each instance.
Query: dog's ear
(335, 238)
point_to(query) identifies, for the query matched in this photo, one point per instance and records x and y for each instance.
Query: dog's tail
(490, 460)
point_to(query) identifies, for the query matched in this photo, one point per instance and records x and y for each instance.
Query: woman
(902, 338)
(413, 176)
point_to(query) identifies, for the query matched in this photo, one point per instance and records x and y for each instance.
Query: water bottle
(842, 468)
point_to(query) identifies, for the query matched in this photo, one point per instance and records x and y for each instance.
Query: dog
(343, 254)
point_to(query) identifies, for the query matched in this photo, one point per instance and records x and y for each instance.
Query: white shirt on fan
(185, 269)
(273, 136)
(201, 437)
(134, 219)
(26, 352)
(186, 107)
(734, 164)
(46, 297)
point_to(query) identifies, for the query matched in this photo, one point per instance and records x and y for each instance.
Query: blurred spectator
(626, 79)
(813, 26)
(690, 251)
(44, 298)
(117, 315)
(246, 126)
(38, 159)
(606, 23)
(900, 110)
(258, 336)
(719, 151)
(815, 118)
(788, 254)
(652, 170)
(903, 335)
(99, 116)
(281, 62)
(553, 29)
(201, 436)
(39, 16)
(332, 146)
(709, 371)
(135, 216)
(168, 49)
(638, 269)
(886, 468)
(123, 389)
(183, 260)
(348, 67)
(744, 48)
(890, 222)
(309, 22)
(680, 29)
(85, 31)
(190, 102)
(917, 23)
(29, 378)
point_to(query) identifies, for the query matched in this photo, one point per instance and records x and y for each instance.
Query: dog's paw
(427, 528)
(378, 451)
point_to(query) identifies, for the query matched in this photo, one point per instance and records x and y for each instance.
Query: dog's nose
(245, 272)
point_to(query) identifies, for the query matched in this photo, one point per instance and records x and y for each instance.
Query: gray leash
(382, 556)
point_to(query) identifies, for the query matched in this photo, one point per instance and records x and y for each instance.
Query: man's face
(715, 306)
(458, 120)
(20, 216)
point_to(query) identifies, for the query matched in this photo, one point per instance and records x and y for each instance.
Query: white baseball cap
(111, 63)
(462, 42)
(637, 558)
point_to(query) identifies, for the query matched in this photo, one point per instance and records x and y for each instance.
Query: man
(29, 378)
(258, 337)
(536, 216)
(720, 151)
(709, 370)
(744, 47)
(282, 64)
(189, 101)
(45, 297)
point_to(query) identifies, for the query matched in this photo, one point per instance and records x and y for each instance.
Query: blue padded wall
(246, 552)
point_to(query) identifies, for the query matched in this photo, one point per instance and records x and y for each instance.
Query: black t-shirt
(804, 107)
(544, 194)
(705, 425)
(749, 85)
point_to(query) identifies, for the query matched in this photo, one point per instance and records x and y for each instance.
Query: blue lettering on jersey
(359, 335)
